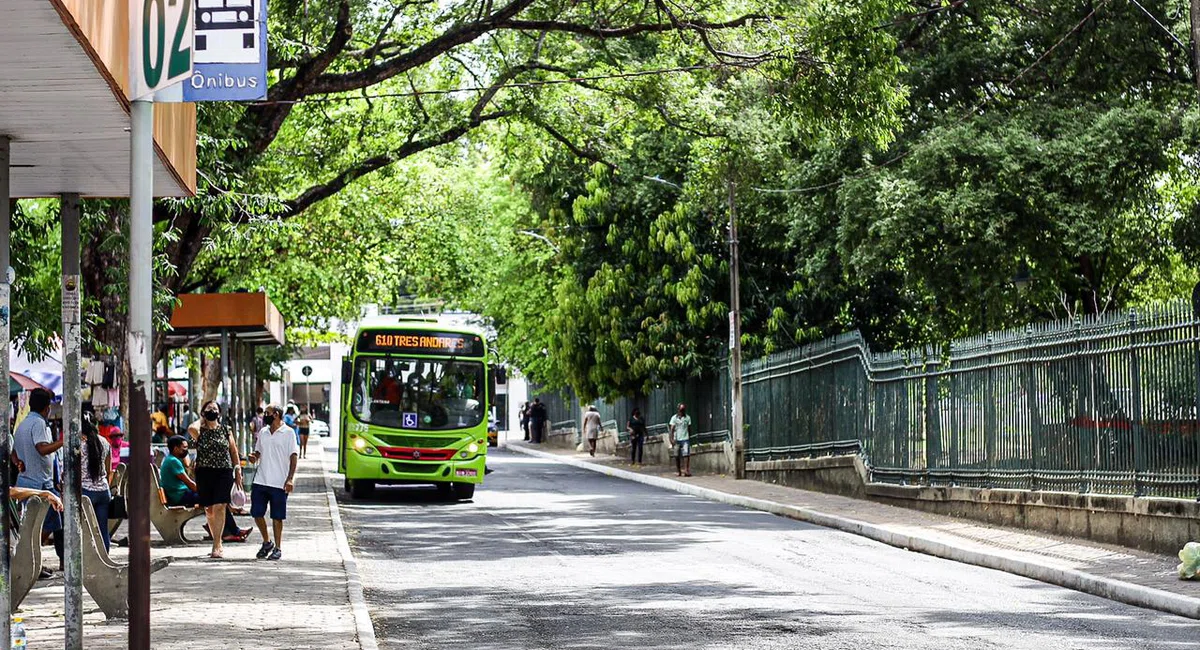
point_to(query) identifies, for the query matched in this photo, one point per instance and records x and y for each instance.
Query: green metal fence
(1105, 404)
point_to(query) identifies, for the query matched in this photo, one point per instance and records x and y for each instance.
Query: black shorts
(213, 485)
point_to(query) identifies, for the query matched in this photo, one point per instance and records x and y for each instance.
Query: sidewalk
(1118, 573)
(198, 603)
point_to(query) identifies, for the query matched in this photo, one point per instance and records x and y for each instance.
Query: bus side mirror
(501, 374)
(495, 372)
(347, 371)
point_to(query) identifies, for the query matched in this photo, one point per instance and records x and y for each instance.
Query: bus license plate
(466, 472)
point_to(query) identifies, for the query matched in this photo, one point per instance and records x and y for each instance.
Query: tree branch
(627, 30)
(580, 152)
(261, 122)
(318, 193)
(458, 35)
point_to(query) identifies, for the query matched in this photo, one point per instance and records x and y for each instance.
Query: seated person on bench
(180, 489)
(20, 494)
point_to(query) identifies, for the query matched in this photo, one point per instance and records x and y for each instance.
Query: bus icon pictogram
(227, 31)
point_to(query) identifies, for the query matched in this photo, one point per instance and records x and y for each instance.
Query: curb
(1124, 592)
(358, 603)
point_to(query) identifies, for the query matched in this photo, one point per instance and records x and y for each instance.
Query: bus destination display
(432, 343)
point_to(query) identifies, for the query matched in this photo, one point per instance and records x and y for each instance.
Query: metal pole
(140, 345)
(225, 367)
(6, 407)
(72, 402)
(735, 345)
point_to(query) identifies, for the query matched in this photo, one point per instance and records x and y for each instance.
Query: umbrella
(19, 383)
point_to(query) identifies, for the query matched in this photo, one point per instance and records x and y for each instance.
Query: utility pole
(5, 287)
(735, 345)
(72, 402)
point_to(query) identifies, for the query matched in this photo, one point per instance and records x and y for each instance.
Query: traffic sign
(161, 35)
(306, 370)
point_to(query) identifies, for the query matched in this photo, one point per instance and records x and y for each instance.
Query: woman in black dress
(218, 468)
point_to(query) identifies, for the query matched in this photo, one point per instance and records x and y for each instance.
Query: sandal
(216, 555)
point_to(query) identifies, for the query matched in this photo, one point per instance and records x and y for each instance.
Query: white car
(318, 428)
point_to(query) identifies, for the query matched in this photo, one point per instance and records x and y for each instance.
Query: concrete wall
(1148, 523)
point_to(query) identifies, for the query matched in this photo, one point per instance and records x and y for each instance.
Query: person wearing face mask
(276, 452)
(218, 467)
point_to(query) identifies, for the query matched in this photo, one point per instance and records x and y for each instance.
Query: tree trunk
(212, 377)
(1195, 19)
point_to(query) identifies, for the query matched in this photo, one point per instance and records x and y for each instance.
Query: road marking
(358, 602)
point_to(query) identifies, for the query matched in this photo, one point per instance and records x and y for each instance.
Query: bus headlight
(362, 447)
(473, 447)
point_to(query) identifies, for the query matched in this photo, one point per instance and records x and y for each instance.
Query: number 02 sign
(161, 36)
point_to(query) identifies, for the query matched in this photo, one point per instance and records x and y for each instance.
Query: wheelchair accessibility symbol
(409, 421)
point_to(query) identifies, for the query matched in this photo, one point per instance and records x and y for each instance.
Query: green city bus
(415, 402)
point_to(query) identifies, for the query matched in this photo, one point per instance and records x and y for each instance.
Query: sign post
(160, 55)
(307, 371)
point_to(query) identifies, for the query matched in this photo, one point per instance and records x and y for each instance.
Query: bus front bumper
(384, 470)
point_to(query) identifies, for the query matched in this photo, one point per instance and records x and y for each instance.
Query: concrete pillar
(72, 401)
(5, 407)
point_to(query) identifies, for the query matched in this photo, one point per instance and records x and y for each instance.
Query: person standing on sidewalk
(96, 474)
(680, 428)
(525, 420)
(35, 449)
(218, 468)
(636, 426)
(276, 452)
(591, 427)
(537, 420)
(304, 422)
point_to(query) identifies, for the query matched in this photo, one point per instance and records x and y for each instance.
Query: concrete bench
(27, 557)
(169, 520)
(105, 580)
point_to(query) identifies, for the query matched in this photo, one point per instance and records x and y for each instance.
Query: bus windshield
(428, 394)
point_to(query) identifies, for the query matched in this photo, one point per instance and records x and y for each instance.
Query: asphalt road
(549, 556)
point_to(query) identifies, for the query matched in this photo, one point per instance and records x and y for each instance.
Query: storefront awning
(63, 71)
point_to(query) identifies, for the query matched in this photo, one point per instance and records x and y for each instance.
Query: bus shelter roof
(201, 318)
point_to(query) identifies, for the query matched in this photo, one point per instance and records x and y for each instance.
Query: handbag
(116, 508)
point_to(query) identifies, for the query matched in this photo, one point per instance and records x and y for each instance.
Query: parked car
(493, 437)
(318, 428)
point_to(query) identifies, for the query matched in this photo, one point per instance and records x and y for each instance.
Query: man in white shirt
(276, 452)
(680, 428)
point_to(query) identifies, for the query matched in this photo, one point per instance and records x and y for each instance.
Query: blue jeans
(101, 499)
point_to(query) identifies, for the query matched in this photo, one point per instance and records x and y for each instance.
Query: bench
(105, 580)
(169, 520)
(27, 557)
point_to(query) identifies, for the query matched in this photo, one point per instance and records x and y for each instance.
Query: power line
(1161, 26)
(962, 118)
(470, 89)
